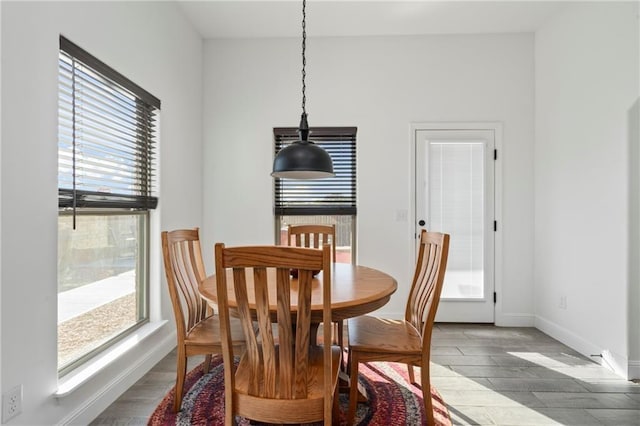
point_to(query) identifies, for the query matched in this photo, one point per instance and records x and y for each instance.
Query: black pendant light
(303, 159)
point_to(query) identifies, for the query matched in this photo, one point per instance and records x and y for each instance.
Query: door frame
(496, 127)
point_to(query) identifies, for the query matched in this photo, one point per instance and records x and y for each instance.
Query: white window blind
(330, 196)
(456, 182)
(106, 135)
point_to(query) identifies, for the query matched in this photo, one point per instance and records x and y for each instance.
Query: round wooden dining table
(355, 290)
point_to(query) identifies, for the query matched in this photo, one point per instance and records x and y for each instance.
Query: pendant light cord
(304, 59)
(304, 125)
(302, 159)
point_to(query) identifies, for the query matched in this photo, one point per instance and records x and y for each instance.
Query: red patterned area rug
(393, 401)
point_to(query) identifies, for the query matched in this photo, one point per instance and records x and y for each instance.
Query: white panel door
(455, 194)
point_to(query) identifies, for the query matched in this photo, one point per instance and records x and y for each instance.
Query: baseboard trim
(99, 401)
(514, 320)
(610, 360)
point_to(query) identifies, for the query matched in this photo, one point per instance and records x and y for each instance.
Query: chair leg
(181, 372)
(340, 334)
(207, 364)
(348, 360)
(426, 394)
(353, 387)
(229, 418)
(412, 376)
(336, 406)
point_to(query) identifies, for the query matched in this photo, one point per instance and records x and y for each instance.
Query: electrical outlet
(401, 215)
(563, 302)
(11, 403)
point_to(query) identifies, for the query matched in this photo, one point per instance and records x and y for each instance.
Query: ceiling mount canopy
(303, 159)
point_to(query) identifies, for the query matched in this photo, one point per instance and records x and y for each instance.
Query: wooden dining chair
(283, 379)
(409, 340)
(315, 236)
(197, 327)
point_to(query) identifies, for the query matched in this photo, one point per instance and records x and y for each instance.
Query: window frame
(142, 282)
(139, 200)
(347, 168)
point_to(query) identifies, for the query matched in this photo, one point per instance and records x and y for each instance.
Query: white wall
(0, 195)
(586, 84)
(633, 293)
(153, 45)
(380, 85)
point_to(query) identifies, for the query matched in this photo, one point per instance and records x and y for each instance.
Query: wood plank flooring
(487, 375)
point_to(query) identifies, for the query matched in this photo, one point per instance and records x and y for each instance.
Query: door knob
(422, 222)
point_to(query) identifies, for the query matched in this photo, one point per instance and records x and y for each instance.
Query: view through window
(100, 280)
(344, 231)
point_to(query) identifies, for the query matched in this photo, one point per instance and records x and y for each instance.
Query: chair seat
(288, 410)
(207, 332)
(379, 335)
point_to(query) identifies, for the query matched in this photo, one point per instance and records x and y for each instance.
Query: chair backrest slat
(285, 336)
(302, 333)
(263, 318)
(253, 352)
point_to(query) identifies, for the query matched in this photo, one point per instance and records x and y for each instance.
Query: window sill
(72, 381)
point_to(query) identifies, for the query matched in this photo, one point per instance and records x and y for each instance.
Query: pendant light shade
(303, 159)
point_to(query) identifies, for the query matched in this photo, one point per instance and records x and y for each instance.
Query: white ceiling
(249, 19)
